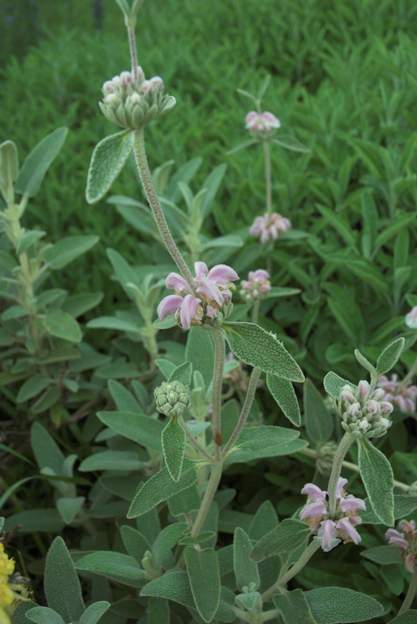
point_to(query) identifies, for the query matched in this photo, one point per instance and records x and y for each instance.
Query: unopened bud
(172, 398)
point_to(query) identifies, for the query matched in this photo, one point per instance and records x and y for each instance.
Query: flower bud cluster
(130, 101)
(340, 527)
(172, 398)
(6, 570)
(364, 410)
(256, 286)
(261, 125)
(269, 226)
(406, 539)
(403, 396)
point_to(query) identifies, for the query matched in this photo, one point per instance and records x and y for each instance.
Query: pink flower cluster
(269, 226)
(406, 539)
(256, 286)
(202, 300)
(411, 318)
(401, 396)
(331, 531)
(261, 125)
(125, 84)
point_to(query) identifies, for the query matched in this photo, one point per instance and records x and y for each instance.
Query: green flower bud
(172, 398)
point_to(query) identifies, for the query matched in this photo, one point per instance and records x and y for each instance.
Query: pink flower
(261, 125)
(411, 318)
(256, 286)
(401, 396)
(204, 299)
(332, 529)
(269, 226)
(405, 538)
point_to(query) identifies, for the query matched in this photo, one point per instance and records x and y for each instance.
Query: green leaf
(173, 585)
(68, 249)
(108, 159)
(364, 362)
(62, 325)
(390, 356)
(134, 542)
(204, 578)
(284, 395)
(113, 565)
(173, 447)
(61, 584)
(182, 373)
(111, 460)
(409, 617)
(44, 615)
(383, 555)
(135, 426)
(253, 345)
(284, 538)
(165, 542)
(291, 143)
(69, 507)
(32, 387)
(378, 479)
(317, 419)
(112, 322)
(265, 441)
(94, 612)
(339, 605)
(333, 384)
(199, 351)
(38, 162)
(294, 608)
(245, 568)
(9, 169)
(159, 488)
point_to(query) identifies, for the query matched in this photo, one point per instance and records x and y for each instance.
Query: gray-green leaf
(378, 479)
(390, 356)
(339, 605)
(246, 569)
(173, 447)
(318, 422)
(62, 325)
(61, 583)
(204, 577)
(108, 159)
(284, 395)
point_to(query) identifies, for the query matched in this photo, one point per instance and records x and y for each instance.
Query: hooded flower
(365, 410)
(405, 538)
(256, 286)
(331, 531)
(411, 318)
(401, 396)
(261, 125)
(203, 300)
(269, 226)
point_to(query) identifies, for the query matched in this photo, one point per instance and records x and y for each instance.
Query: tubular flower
(256, 286)
(204, 300)
(130, 101)
(331, 530)
(365, 411)
(406, 539)
(411, 318)
(269, 226)
(401, 396)
(261, 125)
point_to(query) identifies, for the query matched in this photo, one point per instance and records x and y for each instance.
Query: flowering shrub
(137, 440)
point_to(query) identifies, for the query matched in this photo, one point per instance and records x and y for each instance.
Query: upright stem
(154, 203)
(410, 595)
(344, 445)
(246, 407)
(133, 50)
(213, 483)
(219, 355)
(268, 176)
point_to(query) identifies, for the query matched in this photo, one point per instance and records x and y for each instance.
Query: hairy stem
(246, 407)
(195, 443)
(133, 50)
(156, 208)
(282, 581)
(344, 445)
(213, 484)
(410, 595)
(268, 176)
(219, 355)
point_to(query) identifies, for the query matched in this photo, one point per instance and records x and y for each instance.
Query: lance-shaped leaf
(265, 441)
(333, 384)
(61, 583)
(113, 565)
(135, 426)
(245, 568)
(107, 161)
(294, 608)
(68, 249)
(317, 420)
(339, 605)
(284, 538)
(261, 349)
(62, 325)
(204, 578)
(94, 613)
(44, 615)
(173, 447)
(378, 479)
(284, 395)
(390, 356)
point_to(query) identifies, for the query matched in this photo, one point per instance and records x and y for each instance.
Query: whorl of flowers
(172, 398)
(204, 300)
(411, 318)
(405, 537)
(130, 101)
(7, 595)
(269, 226)
(340, 527)
(261, 125)
(401, 396)
(364, 410)
(256, 286)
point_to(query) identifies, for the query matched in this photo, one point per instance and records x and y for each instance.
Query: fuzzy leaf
(294, 608)
(333, 384)
(135, 426)
(339, 605)
(204, 578)
(43, 615)
(318, 422)
(253, 345)
(284, 538)
(284, 395)
(378, 479)
(265, 441)
(94, 613)
(61, 583)
(113, 565)
(246, 570)
(173, 447)
(62, 325)
(68, 249)
(390, 355)
(107, 161)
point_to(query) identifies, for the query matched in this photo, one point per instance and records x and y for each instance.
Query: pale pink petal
(347, 531)
(327, 535)
(340, 485)
(188, 310)
(352, 504)
(314, 492)
(222, 274)
(395, 538)
(169, 305)
(317, 509)
(177, 282)
(410, 563)
(200, 269)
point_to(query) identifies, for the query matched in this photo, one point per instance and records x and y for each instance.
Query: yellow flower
(6, 564)
(4, 618)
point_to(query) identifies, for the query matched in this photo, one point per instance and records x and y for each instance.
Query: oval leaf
(390, 356)
(173, 448)
(378, 479)
(284, 395)
(107, 161)
(204, 577)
